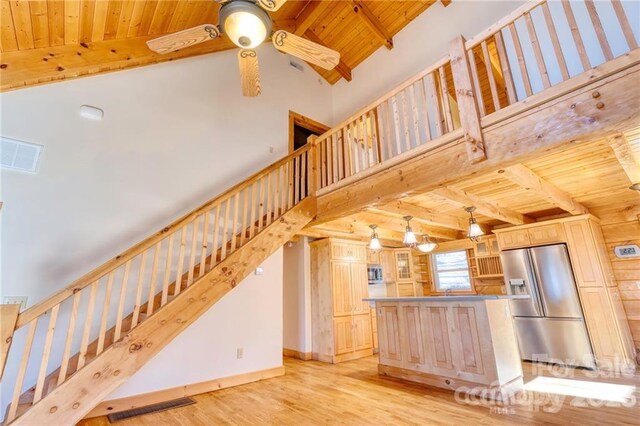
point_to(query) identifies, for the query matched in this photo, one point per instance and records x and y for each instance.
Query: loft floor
(352, 393)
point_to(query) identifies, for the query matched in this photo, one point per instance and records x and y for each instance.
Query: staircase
(105, 326)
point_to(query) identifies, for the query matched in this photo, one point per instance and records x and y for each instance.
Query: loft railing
(538, 46)
(78, 323)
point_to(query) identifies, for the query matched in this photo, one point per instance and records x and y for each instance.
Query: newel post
(467, 102)
(312, 166)
(8, 319)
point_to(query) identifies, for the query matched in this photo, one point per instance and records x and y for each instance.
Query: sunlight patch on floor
(581, 388)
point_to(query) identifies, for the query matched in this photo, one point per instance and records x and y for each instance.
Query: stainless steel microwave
(375, 274)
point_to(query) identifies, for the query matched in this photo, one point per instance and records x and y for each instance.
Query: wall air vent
(296, 65)
(17, 155)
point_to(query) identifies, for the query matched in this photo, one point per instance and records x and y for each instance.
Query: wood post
(312, 170)
(8, 318)
(467, 103)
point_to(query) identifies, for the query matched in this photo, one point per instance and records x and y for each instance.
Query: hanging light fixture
(374, 244)
(475, 232)
(427, 245)
(410, 239)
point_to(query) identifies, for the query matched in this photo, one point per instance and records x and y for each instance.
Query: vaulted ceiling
(44, 41)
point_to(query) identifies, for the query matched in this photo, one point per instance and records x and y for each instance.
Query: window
(451, 271)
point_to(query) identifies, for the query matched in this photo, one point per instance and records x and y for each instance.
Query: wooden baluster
(405, 121)
(297, 179)
(375, 135)
(123, 296)
(284, 187)
(179, 268)
(396, 124)
(435, 100)
(234, 226)
(167, 272)
(523, 67)
(490, 75)
(317, 162)
(154, 277)
(46, 352)
(476, 82)
(353, 145)
(64, 365)
(506, 69)
(336, 157)
(323, 165)
(22, 369)
(303, 181)
(139, 287)
(225, 229)
(276, 194)
(88, 322)
(192, 254)
(562, 64)
(444, 91)
(388, 124)
(624, 24)
(382, 140)
(571, 19)
(204, 245)
(329, 152)
(427, 123)
(365, 142)
(261, 203)
(269, 198)
(245, 209)
(105, 315)
(216, 234)
(290, 191)
(597, 26)
(414, 114)
(533, 37)
(347, 145)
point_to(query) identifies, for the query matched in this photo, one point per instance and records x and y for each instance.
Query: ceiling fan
(247, 24)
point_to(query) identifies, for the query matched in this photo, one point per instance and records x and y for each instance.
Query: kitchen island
(462, 343)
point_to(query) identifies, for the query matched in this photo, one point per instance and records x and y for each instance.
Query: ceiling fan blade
(306, 50)
(182, 39)
(249, 72)
(271, 5)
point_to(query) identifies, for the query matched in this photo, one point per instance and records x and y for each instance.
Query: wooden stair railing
(118, 307)
(534, 48)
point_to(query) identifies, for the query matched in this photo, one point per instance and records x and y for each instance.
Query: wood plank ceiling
(43, 41)
(587, 178)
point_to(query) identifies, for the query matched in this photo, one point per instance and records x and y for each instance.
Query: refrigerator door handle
(535, 289)
(539, 299)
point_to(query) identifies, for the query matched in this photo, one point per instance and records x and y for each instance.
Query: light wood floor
(352, 393)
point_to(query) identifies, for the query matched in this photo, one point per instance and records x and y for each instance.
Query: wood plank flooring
(352, 393)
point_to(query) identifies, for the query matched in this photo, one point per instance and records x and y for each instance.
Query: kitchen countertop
(467, 298)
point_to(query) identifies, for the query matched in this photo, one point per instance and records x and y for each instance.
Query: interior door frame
(305, 122)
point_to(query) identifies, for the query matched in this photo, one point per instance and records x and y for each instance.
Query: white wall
(297, 297)
(248, 317)
(173, 136)
(418, 45)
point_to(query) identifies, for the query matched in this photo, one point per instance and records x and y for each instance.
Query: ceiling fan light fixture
(246, 24)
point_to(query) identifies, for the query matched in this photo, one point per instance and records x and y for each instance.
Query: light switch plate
(16, 300)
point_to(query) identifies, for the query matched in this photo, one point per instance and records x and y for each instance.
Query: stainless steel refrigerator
(549, 325)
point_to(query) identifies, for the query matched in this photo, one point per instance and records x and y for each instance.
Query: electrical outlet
(240, 353)
(16, 300)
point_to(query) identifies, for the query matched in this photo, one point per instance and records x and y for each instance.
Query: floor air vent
(155, 408)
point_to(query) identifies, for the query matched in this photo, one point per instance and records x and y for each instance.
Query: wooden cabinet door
(342, 294)
(388, 263)
(435, 327)
(483, 247)
(546, 234)
(467, 340)
(601, 325)
(513, 239)
(389, 335)
(362, 332)
(404, 268)
(411, 339)
(406, 290)
(494, 248)
(373, 257)
(350, 252)
(374, 328)
(359, 288)
(583, 254)
(343, 335)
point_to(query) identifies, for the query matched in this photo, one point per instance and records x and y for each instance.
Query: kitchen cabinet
(546, 234)
(404, 267)
(513, 239)
(341, 320)
(486, 247)
(387, 260)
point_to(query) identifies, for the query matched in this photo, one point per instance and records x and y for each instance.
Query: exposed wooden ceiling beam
(421, 214)
(398, 224)
(309, 15)
(351, 227)
(445, 3)
(464, 199)
(342, 68)
(626, 157)
(527, 179)
(351, 234)
(372, 22)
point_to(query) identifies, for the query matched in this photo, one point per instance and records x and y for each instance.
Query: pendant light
(427, 245)
(374, 244)
(410, 239)
(475, 232)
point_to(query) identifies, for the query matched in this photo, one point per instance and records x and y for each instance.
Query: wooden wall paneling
(22, 23)
(100, 14)
(39, 23)
(8, 37)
